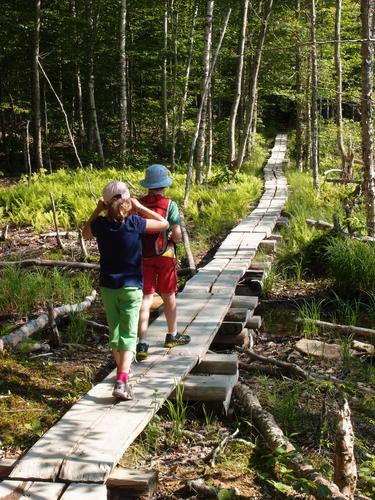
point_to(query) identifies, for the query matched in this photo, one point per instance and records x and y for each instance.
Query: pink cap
(115, 188)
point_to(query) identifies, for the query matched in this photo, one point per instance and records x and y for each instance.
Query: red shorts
(159, 275)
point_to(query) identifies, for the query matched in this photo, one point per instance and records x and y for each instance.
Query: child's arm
(154, 221)
(86, 231)
(176, 234)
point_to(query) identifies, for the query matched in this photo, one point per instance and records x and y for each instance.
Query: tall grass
(352, 264)
(25, 290)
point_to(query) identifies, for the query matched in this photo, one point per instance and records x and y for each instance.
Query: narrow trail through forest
(89, 440)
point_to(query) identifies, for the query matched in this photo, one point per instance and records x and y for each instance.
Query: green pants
(122, 307)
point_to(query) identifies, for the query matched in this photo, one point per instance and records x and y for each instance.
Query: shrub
(351, 263)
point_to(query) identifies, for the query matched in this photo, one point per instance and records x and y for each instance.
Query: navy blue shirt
(120, 248)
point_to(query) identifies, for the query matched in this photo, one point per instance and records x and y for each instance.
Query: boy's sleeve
(173, 214)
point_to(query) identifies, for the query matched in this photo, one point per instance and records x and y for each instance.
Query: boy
(159, 260)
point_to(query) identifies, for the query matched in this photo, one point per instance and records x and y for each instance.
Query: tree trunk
(174, 91)
(307, 157)
(209, 147)
(338, 67)
(253, 86)
(188, 67)
(94, 128)
(314, 97)
(123, 98)
(201, 142)
(299, 98)
(165, 79)
(367, 52)
(253, 131)
(81, 123)
(239, 85)
(46, 129)
(37, 120)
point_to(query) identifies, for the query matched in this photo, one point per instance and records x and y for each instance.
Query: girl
(119, 235)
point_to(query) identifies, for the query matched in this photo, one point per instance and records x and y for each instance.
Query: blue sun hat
(157, 176)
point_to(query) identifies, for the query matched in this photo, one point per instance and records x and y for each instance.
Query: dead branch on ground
(35, 325)
(348, 329)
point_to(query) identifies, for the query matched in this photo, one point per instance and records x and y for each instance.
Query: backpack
(155, 243)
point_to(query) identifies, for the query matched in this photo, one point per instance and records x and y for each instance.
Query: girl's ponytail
(118, 209)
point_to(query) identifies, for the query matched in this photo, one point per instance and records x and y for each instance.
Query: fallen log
(51, 263)
(35, 325)
(319, 224)
(291, 368)
(349, 329)
(345, 474)
(275, 438)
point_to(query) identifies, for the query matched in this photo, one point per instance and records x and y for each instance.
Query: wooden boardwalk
(89, 440)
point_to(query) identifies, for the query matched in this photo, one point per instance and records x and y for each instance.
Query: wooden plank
(245, 301)
(79, 491)
(216, 363)
(13, 490)
(45, 491)
(205, 325)
(97, 453)
(20, 490)
(133, 482)
(207, 387)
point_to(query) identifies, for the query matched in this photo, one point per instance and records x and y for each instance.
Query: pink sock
(123, 376)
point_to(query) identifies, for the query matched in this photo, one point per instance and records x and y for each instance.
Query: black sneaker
(175, 340)
(123, 391)
(141, 351)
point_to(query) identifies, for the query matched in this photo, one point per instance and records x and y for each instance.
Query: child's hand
(100, 205)
(136, 205)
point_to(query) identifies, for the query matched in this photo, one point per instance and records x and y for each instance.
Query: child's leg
(144, 315)
(109, 299)
(169, 300)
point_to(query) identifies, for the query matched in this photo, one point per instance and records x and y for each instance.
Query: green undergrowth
(23, 291)
(75, 192)
(34, 395)
(308, 252)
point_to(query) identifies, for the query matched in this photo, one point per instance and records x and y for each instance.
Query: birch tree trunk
(338, 67)
(174, 88)
(239, 85)
(165, 78)
(307, 157)
(37, 120)
(209, 148)
(314, 97)
(188, 67)
(81, 123)
(123, 97)
(94, 118)
(201, 142)
(299, 98)
(253, 86)
(367, 52)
